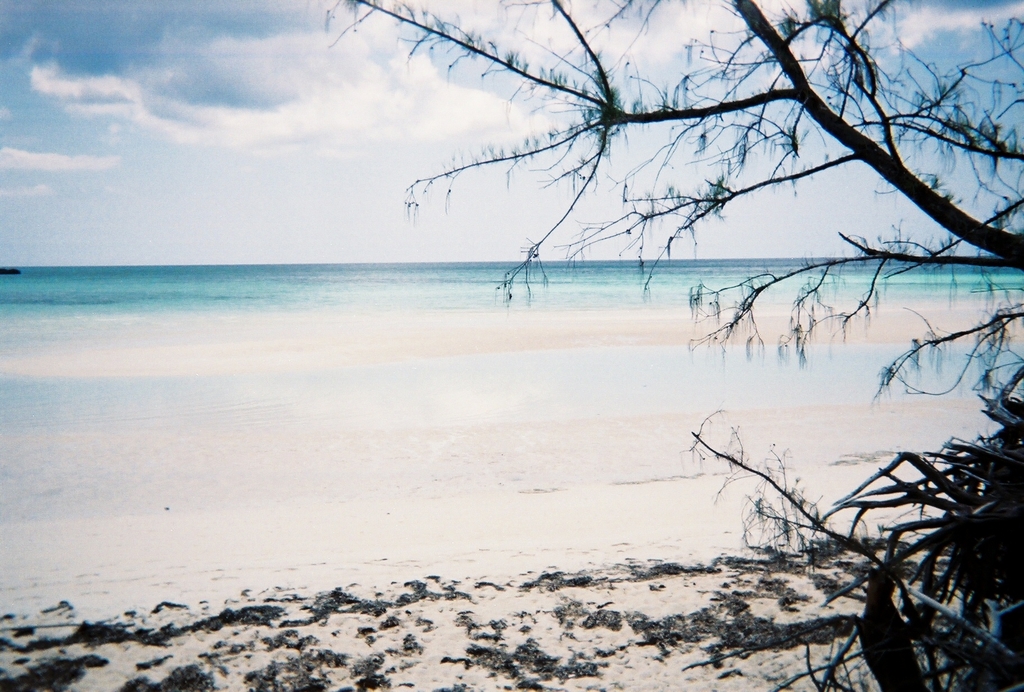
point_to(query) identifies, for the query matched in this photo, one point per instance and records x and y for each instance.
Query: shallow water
(128, 389)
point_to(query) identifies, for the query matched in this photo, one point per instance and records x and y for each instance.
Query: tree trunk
(885, 640)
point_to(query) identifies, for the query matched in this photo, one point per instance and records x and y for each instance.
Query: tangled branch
(951, 548)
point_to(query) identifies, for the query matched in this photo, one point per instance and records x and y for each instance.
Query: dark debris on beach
(556, 631)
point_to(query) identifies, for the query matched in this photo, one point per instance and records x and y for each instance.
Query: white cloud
(925, 21)
(287, 90)
(33, 191)
(105, 89)
(5, 113)
(290, 88)
(18, 159)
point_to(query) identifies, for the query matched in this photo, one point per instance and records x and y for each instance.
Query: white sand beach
(561, 444)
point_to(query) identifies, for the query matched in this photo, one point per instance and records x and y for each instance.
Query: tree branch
(996, 241)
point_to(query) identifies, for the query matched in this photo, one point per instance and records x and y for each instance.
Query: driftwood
(953, 560)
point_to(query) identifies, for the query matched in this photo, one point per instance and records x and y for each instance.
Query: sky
(253, 131)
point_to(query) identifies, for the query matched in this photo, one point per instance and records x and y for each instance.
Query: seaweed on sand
(367, 672)
(51, 675)
(304, 672)
(190, 678)
(528, 658)
(340, 601)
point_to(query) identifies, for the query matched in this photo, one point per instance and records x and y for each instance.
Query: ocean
(48, 292)
(126, 390)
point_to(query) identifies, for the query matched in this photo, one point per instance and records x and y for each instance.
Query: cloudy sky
(238, 131)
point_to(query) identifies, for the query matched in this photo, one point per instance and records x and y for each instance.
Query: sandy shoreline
(198, 345)
(280, 457)
(593, 498)
(590, 586)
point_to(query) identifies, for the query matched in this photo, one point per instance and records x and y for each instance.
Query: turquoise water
(85, 444)
(46, 291)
